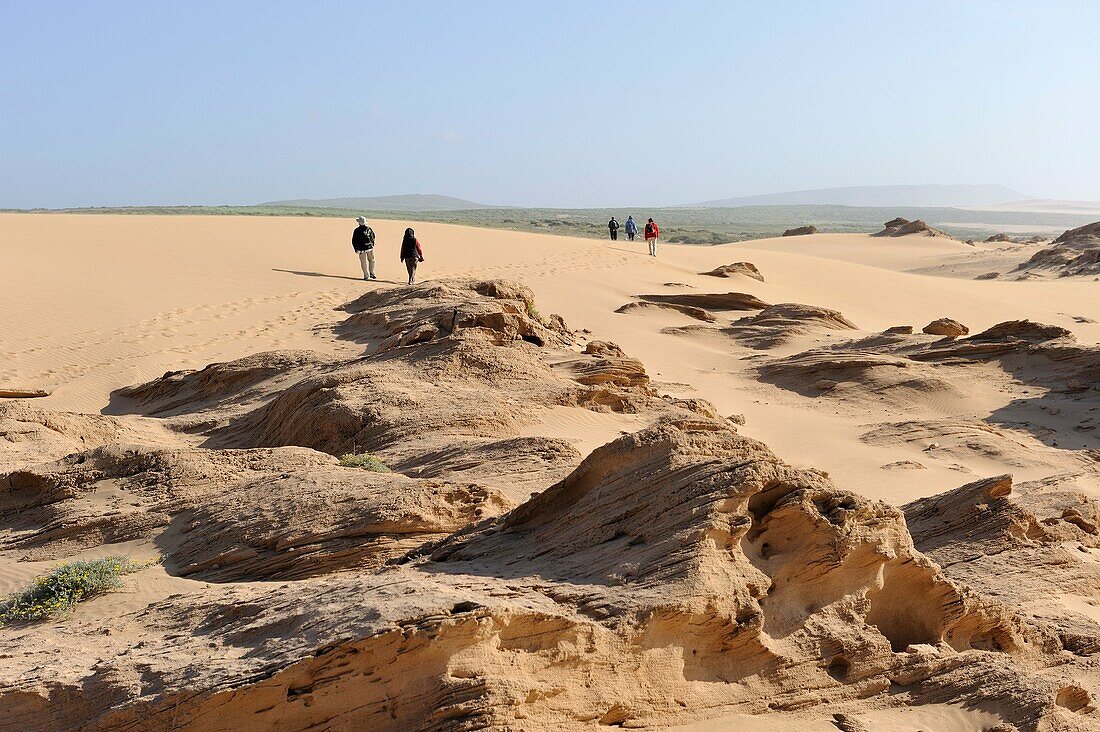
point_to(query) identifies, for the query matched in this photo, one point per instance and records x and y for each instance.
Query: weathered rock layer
(497, 580)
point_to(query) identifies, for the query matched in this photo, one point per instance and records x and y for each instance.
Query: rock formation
(678, 555)
(779, 324)
(1038, 371)
(1075, 253)
(1083, 237)
(689, 310)
(801, 231)
(737, 268)
(946, 327)
(495, 580)
(904, 227)
(1022, 545)
(1018, 345)
(29, 433)
(711, 301)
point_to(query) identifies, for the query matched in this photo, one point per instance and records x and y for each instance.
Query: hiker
(362, 241)
(631, 228)
(613, 227)
(411, 253)
(651, 234)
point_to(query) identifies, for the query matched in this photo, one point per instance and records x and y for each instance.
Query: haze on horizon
(566, 104)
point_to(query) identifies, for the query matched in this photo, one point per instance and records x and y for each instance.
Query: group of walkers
(363, 242)
(651, 232)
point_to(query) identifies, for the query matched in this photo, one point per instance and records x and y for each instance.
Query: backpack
(649, 231)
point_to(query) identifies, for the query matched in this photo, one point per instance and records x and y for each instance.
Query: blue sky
(541, 103)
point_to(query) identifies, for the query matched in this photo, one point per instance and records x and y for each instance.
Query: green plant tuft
(365, 461)
(58, 592)
(533, 312)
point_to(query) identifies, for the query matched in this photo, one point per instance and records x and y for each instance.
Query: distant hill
(932, 195)
(407, 202)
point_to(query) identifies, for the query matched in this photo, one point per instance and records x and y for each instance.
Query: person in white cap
(362, 241)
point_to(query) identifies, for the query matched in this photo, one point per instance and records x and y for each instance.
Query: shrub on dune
(58, 592)
(365, 461)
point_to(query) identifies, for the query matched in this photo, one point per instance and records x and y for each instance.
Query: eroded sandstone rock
(748, 269)
(711, 301)
(689, 310)
(1075, 253)
(904, 227)
(678, 572)
(778, 324)
(946, 327)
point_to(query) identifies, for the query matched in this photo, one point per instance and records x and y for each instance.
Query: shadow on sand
(629, 251)
(320, 274)
(379, 281)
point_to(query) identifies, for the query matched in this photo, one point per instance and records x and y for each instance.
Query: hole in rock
(1073, 698)
(761, 503)
(994, 639)
(909, 608)
(838, 667)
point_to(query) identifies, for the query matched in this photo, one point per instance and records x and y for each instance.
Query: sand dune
(143, 295)
(624, 491)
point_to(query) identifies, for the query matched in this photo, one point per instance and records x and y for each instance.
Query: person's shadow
(627, 251)
(332, 276)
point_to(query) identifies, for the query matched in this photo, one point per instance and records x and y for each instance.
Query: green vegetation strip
(58, 592)
(684, 225)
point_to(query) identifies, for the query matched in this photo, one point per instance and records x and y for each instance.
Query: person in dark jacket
(411, 253)
(631, 228)
(613, 227)
(362, 241)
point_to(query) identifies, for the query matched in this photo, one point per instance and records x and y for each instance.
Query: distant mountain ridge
(900, 195)
(406, 202)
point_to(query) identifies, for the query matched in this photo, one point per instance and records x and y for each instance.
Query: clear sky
(556, 103)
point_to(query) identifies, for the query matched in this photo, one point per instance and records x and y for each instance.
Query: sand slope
(97, 302)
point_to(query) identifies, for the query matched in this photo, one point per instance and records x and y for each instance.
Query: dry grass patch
(364, 461)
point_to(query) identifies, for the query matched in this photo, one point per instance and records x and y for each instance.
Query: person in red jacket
(651, 234)
(411, 253)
